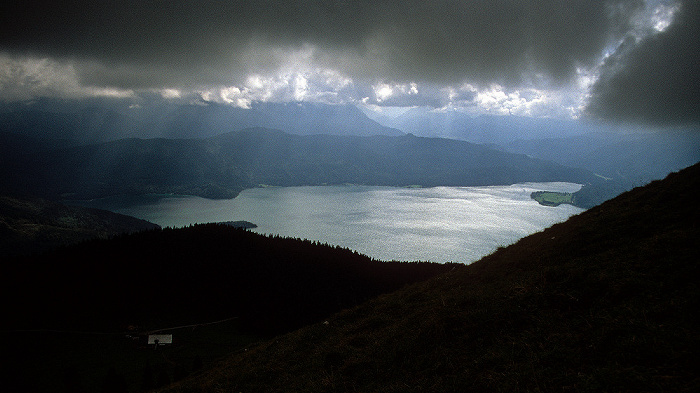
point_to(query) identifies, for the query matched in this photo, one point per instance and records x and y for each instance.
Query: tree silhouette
(113, 382)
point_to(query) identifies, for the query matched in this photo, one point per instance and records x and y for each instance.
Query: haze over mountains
(102, 119)
(634, 157)
(45, 151)
(484, 128)
(625, 152)
(620, 152)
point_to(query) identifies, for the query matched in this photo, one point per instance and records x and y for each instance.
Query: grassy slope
(606, 301)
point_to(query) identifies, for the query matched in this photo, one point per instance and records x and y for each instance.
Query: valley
(89, 286)
(349, 196)
(439, 224)
(603, 301)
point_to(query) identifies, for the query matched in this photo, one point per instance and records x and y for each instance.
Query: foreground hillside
(606, 301)
(33, 225)
(81, 313)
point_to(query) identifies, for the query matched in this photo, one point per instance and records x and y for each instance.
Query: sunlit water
(442, 224)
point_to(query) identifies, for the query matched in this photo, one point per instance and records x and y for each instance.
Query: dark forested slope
(76, 319)
(33, 225)
(196, 273)
(606, 301)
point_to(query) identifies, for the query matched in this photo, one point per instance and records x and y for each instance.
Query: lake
(441, 224)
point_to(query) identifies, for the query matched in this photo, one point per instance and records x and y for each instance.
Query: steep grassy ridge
(606, 301)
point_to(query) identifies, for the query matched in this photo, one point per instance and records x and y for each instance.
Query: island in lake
(552, 198)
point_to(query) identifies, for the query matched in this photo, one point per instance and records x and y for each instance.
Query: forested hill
(201, 272)
(222, 166)
(33, 225)
(606, 301)
(74, 317)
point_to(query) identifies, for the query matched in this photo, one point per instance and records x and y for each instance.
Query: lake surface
(441, 224)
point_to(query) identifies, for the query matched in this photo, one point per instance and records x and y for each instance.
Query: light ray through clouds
(531, 58)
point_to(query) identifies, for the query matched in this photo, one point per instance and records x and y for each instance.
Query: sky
(629, 61)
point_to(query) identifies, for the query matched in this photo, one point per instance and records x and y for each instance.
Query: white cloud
(662, 16)
(383, 91)
(318, 85)
(529, 102)
(230, 95)
(28, 78)
(267, 69)
(171, 93)
(301, 87)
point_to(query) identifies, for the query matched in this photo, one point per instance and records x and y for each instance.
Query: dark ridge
(240, 224)
(33, 225)
(606, 301)
(222, 166)
(207, 271)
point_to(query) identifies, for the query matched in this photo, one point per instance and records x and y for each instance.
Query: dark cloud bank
(401, 40)
(184, 44)
(656, 80)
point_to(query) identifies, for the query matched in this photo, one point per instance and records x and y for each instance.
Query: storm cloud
(515, 44)
(655, 80)
(395, 40)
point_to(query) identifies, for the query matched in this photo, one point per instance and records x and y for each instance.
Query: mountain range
(89, 121)
(623, 154)
(222, 166)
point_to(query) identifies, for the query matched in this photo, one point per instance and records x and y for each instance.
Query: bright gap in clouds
(331, 87)
(658, 15)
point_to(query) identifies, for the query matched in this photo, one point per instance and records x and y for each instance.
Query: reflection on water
(441, 224)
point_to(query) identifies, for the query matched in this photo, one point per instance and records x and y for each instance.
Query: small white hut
(160, 339)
